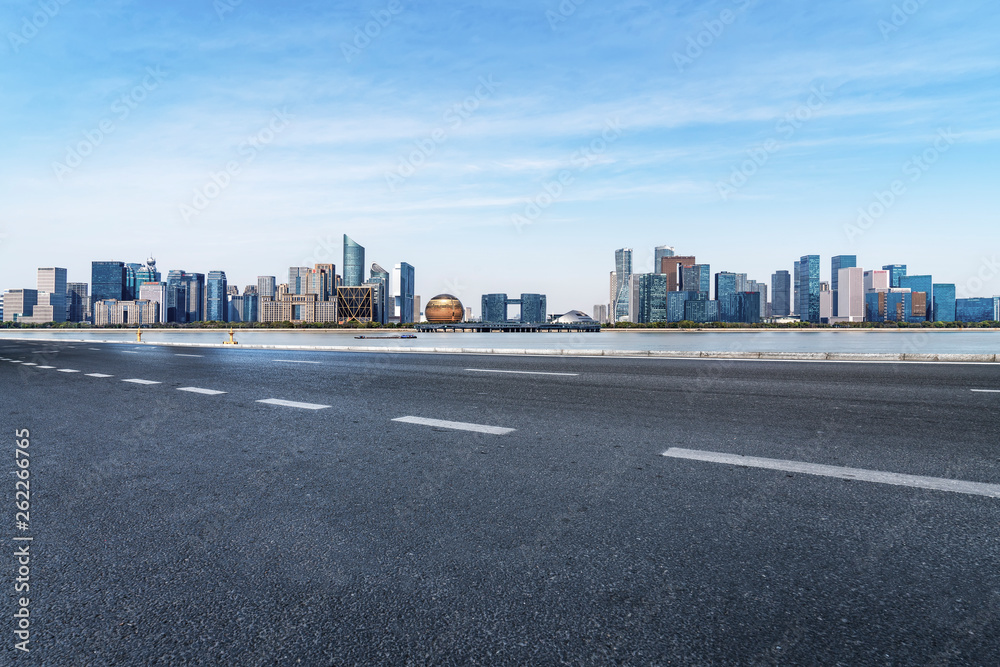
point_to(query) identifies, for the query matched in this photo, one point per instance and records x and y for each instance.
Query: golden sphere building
(444, 309)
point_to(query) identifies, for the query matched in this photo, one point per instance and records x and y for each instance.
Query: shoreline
(364, 331)
(849, 357)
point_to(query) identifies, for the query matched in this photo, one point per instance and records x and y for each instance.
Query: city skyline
(181, 132)
(977, 285)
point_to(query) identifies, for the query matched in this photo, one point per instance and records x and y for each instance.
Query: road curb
(661, 354)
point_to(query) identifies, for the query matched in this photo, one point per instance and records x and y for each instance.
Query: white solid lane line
(189, 355)
(293, 404)
(859, 474)
(67, 370)
(987, 391)
(293, 361)
(137, 381)
(199, 390)
(458, 426)
(490, 370)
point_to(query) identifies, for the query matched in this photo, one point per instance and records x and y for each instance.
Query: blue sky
(250, 136)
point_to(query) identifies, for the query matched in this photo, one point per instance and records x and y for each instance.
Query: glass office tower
(494, 308)
(746, 307)
(836, 264)
(923, 284)
(896, 271)
(807, 288)
(974, 310)
(533, 307)
(675, 304)
(652, 297)
(107, 280)
(725, 294)
(659, 253)
(77, 302)
(216, 297)
(404, 292)
(781, 294)
(623, 271)
(696, 278)
(354, 263)
(943, 303)
(186, 296)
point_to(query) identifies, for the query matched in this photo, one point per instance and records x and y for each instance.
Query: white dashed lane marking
(46, 366)
(67, 370)
(293, 404)
(99, 375)
(457, 426)
(199, 390)
(987, 391)
(294, 361)
(490, 370)
(138, 381)
(859, 474)
(28, 363)
(189, 355)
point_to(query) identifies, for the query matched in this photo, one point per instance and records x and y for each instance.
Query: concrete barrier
(663, 354)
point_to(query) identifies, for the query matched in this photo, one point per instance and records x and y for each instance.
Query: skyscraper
(354, 263)
(107, 280)
(251, 304)
(696, 278)
(384, 301)
(77, 302)
(150, 291)
(266, 287)
(186, 296)
(849, 300)
(781, 293)
(533, 308)
(298, 276)
(659, 253)
(403, 291)
(725, 294)
(378, 274)
(876, 281)
(837, 263)
(923, 284)
(623, 271)
(652, 298)
(896, 271)
(671, 268)
(53, 281)
(216, 297)
(807, 288)
(494, 308)
(943, 307)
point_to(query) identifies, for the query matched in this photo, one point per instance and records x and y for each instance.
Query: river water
(892, 341)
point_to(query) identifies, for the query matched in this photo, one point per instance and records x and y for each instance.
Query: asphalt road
(174, 526)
